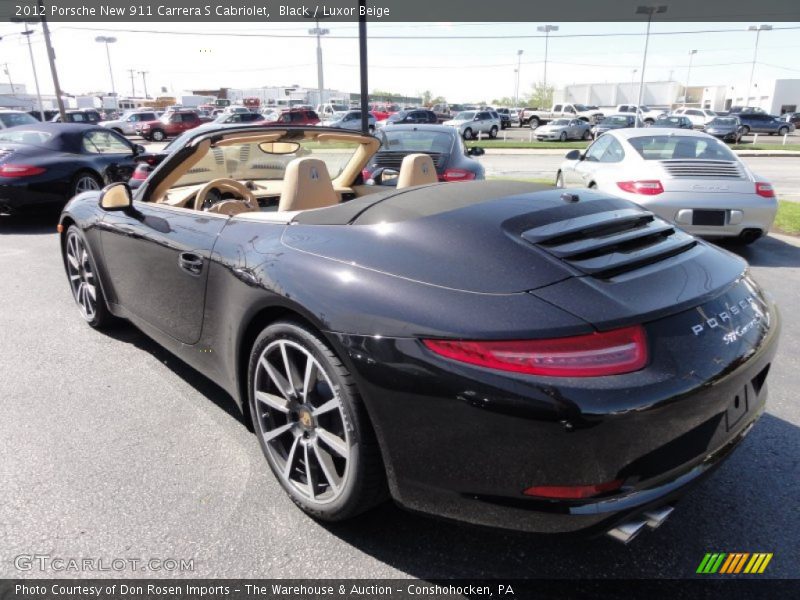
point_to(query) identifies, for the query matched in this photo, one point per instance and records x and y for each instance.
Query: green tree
(540, 96)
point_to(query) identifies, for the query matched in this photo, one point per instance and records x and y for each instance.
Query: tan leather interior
(416, 169)
(225, 185)
(307, 184)
(231, 207)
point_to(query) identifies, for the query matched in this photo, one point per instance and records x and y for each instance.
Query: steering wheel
(222, 185)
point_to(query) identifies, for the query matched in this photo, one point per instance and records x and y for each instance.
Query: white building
(776, 96)
(658, 94)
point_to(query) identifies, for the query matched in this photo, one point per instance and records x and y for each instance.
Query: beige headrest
(306, 184)
(416, 169)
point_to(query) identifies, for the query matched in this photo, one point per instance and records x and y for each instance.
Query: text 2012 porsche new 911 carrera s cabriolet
(502, 353)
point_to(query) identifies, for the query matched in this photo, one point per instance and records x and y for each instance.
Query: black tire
(158, 136)
(493, 132)
(84, 181)
(364, 483)
(587, 135)
(563, 136)
(559, 180)
(99, 317)
(745, 130)
(371, 128)
(468, 135)
(533, 122)
(783, 131)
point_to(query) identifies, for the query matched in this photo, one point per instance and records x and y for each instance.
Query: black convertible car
(45, 164)
(503, 353)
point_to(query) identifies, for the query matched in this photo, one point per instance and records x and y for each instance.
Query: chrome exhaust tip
(627, 531)
(657, 516)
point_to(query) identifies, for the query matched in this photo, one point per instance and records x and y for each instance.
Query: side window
(557, 108)
(285, 118)
(175, 119)
(190, 118)
(104, 142)
(694, 113)
(613, 152)
(598, 148)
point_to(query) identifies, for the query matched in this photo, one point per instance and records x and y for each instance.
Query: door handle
(190, 262)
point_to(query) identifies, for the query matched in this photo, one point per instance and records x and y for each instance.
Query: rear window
(12, 119)
(667, 147)
(417, 141)
(35, 138)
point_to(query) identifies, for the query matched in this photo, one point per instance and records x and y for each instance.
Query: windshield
(580, 107)
(724, 122)
(337, 108)
(25, 137)
(247, 161)
(560, 122)
(666, 147)
(615, 120)
(398, 116)
(417, 141)
(668, 121)
(12, 119)
(465, 116)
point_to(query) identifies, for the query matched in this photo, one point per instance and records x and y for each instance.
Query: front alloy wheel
(311, 425)
(83, 280)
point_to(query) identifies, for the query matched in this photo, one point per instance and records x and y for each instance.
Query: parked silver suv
(472, 122)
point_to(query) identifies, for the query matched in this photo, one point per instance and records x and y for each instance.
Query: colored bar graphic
(734, 562)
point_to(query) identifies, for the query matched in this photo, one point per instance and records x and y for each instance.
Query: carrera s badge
(730, 320)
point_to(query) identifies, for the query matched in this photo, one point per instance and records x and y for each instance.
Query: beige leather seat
(306, 185)
(416, 169)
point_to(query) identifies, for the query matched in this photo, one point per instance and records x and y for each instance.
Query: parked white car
(12, 118)
(471, 122)
(127, 122)
(349, 119)
(686, 177)
(698, 116)
(646, 114)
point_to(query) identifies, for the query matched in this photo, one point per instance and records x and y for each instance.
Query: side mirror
(139, 149)
(116, 196)
(475, 151)
(574, 155)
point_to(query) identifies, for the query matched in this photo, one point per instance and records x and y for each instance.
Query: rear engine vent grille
(610, 243)
(712, 169)
(393, 160)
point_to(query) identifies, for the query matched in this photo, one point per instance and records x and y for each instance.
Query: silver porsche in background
(563, 130)
(687, 177)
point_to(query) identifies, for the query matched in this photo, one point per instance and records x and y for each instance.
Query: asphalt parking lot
(113, 448)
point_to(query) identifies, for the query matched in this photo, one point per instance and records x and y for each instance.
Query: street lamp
(109, 40)
(633, 85)
(28, 33)
(649, 11)
(546, 29)
(319, 33)
(688, 76)
(516, 87)
(758, 30)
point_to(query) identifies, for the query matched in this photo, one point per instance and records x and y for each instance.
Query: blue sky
(459, 69)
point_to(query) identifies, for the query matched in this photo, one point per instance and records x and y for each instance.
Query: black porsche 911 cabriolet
(507, 354)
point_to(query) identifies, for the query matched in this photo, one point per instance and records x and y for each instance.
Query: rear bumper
(19, 197)
(464, 443)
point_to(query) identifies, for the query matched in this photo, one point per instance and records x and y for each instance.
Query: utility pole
(516, 87)
(51, 56)
(688, 76)
(546, 29)
(8, 73)
(144, 81)
(320, 81)
(758, 31)
(133, 85)
(649, 11)
(102, 39)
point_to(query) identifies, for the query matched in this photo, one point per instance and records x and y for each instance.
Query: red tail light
(140, 173)
(458, 175)
(646, 188)
(593, 355)
(765, 190)
(9, 170)
(572, 492)
(366, 175)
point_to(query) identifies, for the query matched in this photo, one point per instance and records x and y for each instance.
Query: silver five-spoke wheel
(81, 276)
(302, 422)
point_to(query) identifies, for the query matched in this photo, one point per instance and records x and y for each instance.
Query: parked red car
(383, 110)
(295, 116)
(169, 125)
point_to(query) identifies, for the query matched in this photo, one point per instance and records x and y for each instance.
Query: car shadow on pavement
(747, 505)
(28, 224)
(769, 251)
(128, 334)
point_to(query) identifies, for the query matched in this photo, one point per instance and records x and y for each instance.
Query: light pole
(319, 33)
(688, 76)
(109, 40)
(144, 82)
(649, 11)
(8, 74)
(516, 87)
(633, 84)
(546, 29)
(758, 30)
(28, 33)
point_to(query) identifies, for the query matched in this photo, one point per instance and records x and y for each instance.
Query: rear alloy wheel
(311, 424)
(493, 132)
(563, 136)
(745, 130)
(783, 131)
(587, 135)
(85, 182)
(83, 281)
(468, 134)
(158, 135)
(533, 123)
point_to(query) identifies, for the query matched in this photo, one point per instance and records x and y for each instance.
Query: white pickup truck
(534, 118)
(646, 114)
